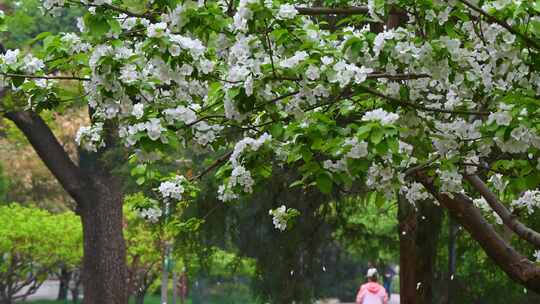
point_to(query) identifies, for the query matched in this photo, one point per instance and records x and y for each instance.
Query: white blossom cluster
(279, 217)
(450, 181)
(89, 137)
(173, 189)
(29, 64)
(529, 200)
(151, 214)
(353, 149)
(415, 192)
(380, 178)
(381, 116)
(483, 205)
(240, 176)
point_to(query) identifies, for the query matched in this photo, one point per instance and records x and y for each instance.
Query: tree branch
(215, 164)
(11, 75)
(419, 107)
(50, 151)
(316, 11)
(507, 217)
(514, 264)
(502, 23)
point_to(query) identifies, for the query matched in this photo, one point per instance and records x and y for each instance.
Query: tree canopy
(409, 99)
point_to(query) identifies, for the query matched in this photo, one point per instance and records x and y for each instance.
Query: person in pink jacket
(372, 292)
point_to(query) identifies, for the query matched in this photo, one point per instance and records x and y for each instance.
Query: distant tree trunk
(139, 297)
(63, 288)
(419, 230)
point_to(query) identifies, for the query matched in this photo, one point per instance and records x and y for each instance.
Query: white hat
(372, 272)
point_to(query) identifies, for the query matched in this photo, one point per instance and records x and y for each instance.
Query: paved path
(394, 299)
(49, 291)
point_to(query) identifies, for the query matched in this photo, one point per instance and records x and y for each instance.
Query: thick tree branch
(419, 107)
(507, 217)
(529, 41)
(50, 151)
(514, 264)
(316, 11)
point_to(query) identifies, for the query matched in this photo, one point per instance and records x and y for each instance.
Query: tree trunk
(419, 229)
(407, 251)
(99, 203)
(139, 297)
(428, 228)
(63, 287)
(104, 267)
(452, 246)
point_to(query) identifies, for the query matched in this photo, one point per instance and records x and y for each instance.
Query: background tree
(34, 244)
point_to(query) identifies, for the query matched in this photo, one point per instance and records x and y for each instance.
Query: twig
(45, 77)
(215, 164)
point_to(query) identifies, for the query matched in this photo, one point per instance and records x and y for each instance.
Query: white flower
(502, 118)
(151, 214)
(358, 149)
(180, 113)
(327, 60)
(537, 256)
(241, 176)
(129, 74)
(138, 110)
(294, 60)
(415, 192)
(206, 66)
(279, 217)
(380, 115)
(287, 11)
(157, 29)
(32, 64)
(312, 72)
(89, 138)
(450, 181)
(530, 200)
(154, 128)
(10, 57)
(498, 182)
(49, 4)
(248, 142)
(173, 188)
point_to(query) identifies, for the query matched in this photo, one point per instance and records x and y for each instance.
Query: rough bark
(407, 251)
(419, 230)
(520, 229)
(518, 267)
(429, 223)
(104, 265)
(99, 203)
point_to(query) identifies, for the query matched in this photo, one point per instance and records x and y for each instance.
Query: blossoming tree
(412, 98)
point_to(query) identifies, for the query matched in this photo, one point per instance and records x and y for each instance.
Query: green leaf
(536, 6)
(324, 183)
(97, 25)
(140, 180)
(377, 135)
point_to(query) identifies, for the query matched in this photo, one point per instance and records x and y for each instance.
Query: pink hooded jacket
(372, 293)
